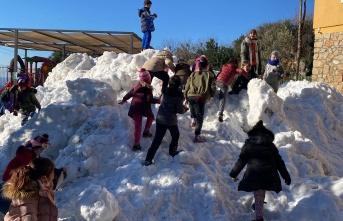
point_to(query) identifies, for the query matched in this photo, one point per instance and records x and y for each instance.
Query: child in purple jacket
(140, 107)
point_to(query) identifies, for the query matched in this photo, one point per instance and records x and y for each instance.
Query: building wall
(328, 46)
(328, 59)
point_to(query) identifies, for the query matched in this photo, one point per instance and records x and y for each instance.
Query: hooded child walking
(166, 119)
(140, 107)
(263, 164)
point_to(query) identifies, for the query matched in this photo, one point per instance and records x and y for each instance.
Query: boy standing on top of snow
(263, 164)
(140, 107)
(166, 119)
(147, 23)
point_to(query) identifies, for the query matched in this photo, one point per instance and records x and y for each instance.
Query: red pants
(138, 126)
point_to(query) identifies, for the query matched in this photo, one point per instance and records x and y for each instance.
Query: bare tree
(302, 15)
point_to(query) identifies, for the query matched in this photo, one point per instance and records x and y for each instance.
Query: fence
(4, 75)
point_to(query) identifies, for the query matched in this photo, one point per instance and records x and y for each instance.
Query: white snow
(92, 136)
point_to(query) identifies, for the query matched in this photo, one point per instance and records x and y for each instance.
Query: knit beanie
(39, 140)
(144, 76)
(275, 53)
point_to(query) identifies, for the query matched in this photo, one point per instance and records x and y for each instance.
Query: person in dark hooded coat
(263, 164)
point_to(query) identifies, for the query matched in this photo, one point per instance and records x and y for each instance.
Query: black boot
(136, 147)
(173, 151)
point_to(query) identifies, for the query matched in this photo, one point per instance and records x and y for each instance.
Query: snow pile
(92, 136)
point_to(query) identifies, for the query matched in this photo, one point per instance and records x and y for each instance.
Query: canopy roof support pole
(131, 43)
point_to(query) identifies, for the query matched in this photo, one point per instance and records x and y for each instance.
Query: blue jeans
(146, 40)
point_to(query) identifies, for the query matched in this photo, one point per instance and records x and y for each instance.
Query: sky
(178, 20)
(92, 136)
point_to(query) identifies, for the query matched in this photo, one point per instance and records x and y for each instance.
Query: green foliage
(56, 56)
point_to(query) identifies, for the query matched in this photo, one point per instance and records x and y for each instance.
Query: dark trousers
(162, 75)
(161, 130)
(197, 109)
(4, 203)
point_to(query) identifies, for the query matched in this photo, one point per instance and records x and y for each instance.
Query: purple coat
(142, 99)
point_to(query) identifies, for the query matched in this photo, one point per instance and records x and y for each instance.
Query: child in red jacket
(140, 107)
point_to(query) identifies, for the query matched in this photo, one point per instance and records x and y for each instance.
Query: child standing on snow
(250, 51)
(200, 87)
(147, 23)
(273, 73)
(263, 164)
(166, 119)
(140, 107)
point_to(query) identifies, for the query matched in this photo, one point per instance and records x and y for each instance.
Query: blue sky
(178, 20)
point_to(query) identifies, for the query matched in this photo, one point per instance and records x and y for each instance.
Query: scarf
(274, 62)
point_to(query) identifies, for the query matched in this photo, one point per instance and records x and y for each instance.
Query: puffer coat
(27, 99)
(263, 163)
(162, 60)
(31, 203)
(147, 20)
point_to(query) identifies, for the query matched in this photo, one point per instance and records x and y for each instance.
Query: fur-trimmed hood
(28, 191)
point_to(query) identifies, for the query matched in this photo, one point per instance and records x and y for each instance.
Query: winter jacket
(162, 60)
(273, 74)
(147, 20)
(248, 47)
(200, 84)
(26, 99)
(23, 156)
(31, 203)
(227, 74)
(183, 70)
(263, 163)
(142, 99)
(172, 104)
(6, 95)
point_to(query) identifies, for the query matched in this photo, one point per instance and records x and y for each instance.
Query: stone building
(328, 46)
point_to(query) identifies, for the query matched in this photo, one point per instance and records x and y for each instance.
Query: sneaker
(199, 139)
(220, 119)
(193, 123)
(146, 134)
(136, 147)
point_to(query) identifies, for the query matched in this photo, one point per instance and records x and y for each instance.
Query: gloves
(122, 102)
(288, 181)
(154, 15)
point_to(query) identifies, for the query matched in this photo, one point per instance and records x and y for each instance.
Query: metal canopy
(75, 41)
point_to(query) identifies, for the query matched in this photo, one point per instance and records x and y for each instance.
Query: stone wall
(328, 59)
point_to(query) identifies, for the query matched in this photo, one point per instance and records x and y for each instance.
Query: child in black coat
(166, 119)
(263, 163)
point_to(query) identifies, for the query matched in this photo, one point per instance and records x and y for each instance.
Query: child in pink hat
(140, 107)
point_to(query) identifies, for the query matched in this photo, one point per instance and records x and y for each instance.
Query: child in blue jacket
(147, 23)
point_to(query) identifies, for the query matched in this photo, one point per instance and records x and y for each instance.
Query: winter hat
(144, 76)
(147, 2)
(275, 53)
(40, 140)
